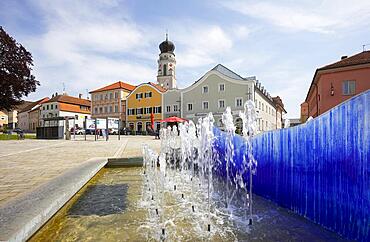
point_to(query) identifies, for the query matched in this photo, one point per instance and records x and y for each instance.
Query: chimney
(56, 94)
(343, 57)
(52, 95)
(80, 96)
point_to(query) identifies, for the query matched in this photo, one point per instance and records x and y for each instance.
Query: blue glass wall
(320, 170)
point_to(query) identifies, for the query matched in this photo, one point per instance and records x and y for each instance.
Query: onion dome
(167, 46)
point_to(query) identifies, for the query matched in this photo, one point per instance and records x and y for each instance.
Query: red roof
(116, 85)
(70, 100)
(358, 59)
(159, 87)
(33, 104)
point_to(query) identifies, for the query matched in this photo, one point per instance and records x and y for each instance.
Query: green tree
(16, 79)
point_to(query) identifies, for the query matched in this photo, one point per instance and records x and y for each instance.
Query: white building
(76, 109)
(220, 88)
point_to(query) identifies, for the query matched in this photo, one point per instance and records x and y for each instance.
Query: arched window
(165, 69)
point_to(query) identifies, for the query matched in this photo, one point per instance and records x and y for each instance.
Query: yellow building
(144, 100)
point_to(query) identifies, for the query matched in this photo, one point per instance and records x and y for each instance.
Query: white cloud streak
(314, 16)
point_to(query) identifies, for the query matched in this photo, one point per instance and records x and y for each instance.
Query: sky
(83, 45)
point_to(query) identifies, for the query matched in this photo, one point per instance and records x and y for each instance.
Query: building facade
(64, 106)
(3, 119)
(29, 117)
(220, 88)
(110, 101)
(143, 102)
(335, 83)
(172, 105)
(13, 114)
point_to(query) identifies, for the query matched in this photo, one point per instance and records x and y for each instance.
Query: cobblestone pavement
(27, 164)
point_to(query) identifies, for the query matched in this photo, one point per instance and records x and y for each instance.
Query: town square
(191, 120)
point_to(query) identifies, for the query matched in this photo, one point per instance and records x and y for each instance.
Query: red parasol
(152, 120)
(173, 119)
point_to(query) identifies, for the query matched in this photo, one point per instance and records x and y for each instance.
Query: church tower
(167, 65)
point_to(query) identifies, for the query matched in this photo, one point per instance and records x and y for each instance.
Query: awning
(173, 119)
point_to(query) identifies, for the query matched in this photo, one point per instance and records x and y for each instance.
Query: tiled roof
(160, 88)
(358, 59)
(33, 104)
(116, 85)
(70, 100)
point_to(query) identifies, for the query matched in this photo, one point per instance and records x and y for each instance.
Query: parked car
(18, 130)
(113, 131)
(90, 131)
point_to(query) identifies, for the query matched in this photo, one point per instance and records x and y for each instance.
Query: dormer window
(205, 89)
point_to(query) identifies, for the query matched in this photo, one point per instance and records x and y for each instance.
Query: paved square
(27, 164)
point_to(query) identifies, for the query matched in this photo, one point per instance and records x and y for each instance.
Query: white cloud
(314, 16)
(85, 45)
(201, 45)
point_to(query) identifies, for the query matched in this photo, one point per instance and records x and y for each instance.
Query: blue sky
(87, 44)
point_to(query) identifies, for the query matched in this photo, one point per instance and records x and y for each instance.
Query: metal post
(106, 130)
(85, 126)
(119, 117)
(96, 124)
(74, 128)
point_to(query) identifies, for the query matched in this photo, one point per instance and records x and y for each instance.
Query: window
(131, 111)
(101, 110)
(106, 96)
(116, 108)
(238, 102)
(165, 70)
(205, 89)
(221, 87)
(349, 87)
(139, 95)
(115, 95)
(43, 108)
(263, 107)
(205, 105)
(175, 108)
(101, 96)
(110, 95)
(190, 106)
(168, 109)
(95, 110)
(139, 111)
(147, 110)
(148, 94)
(105, 109)
(158, 109)
(47, 107)
(56, 106)
(111, 108)
(221, 103)
(51, 106)
(259, 105)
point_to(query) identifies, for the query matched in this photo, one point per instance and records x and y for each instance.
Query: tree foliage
(16, 79)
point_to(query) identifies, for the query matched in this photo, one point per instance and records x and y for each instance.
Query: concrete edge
(22, 217)
(125, 162)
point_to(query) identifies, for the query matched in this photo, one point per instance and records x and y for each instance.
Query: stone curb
(22, 217)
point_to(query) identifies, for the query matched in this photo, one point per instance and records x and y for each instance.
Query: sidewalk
(27, 164)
